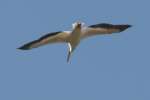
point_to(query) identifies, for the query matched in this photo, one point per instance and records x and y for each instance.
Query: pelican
(72, 38)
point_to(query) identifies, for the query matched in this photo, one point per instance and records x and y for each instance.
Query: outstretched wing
(55, 37)
(103, 28)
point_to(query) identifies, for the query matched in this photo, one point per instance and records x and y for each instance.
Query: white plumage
(74, 36)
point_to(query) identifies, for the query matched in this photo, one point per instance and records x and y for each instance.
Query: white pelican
(73, 37)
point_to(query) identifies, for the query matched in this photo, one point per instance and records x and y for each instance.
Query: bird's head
(77, 25)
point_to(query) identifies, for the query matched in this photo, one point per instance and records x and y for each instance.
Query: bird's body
(74, 37)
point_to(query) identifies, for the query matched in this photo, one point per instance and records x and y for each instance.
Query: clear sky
(110, 67)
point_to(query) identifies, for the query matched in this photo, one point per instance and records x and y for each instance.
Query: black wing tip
(29, 45)
(24, 47)
(124, 27)
(105, 25)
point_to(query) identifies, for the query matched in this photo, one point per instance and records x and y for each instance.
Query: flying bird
(72, 38)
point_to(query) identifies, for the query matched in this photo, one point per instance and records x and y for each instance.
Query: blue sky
(112, 67)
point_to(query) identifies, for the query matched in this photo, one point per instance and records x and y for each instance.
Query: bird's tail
(68, 57)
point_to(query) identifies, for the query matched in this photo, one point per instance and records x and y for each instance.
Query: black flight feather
(111, 26)
(30, 44)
